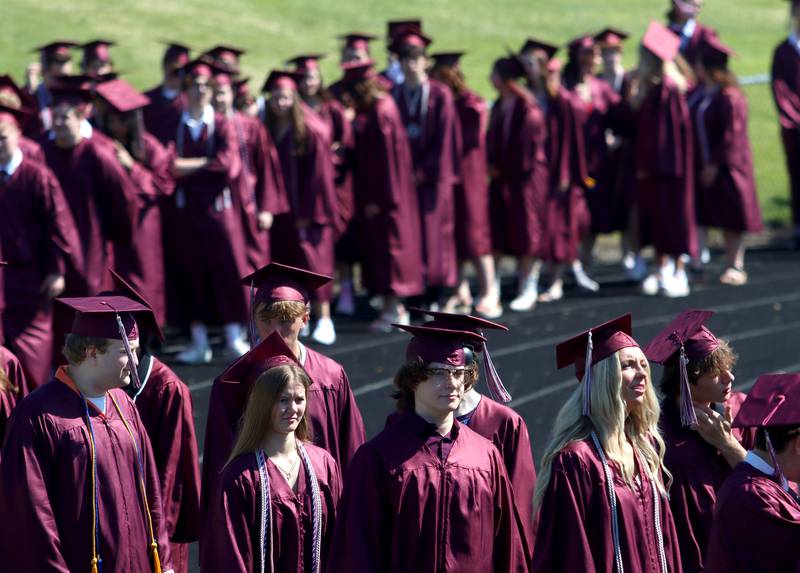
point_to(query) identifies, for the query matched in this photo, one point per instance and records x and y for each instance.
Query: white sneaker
(526, 300)
(237, 349)
(705, 256)
(651, 285)
(324, 332)
(676, 286)
(585, 282)
(346, 305)
(194, 355)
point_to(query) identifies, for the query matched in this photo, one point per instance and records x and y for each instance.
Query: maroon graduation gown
(691, 48)
(165, 407)
(404, 509)
(430, 132)
(574, 532)
(340, 129)
(45, 481)
(205, 244)
(508, 432)
(153, 183)
(471, 192)
(756, 526)
(310, 188)
(259, 186)
(163, 116)
(518, 162)
(31, 149)
(722, 140)
(665, 170)
(38, 238)
(698, 472)
(786, 93)
(596, 117)
(10, 397)
(336, 421)
(383, 175)
(235, 516)
(566, 216)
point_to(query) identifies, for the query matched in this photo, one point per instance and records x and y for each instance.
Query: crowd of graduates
(125, 211)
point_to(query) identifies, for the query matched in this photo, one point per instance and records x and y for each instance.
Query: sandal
(733, 277)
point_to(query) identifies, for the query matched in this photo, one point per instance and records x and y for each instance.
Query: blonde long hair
(264, 395)
(612, 424)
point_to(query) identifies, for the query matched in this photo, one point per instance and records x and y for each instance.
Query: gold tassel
(156, 560)
(94, 565)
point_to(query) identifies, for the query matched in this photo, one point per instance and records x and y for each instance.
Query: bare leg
(556, 290)
(734, 253)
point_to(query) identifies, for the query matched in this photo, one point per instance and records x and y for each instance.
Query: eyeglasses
(455, 373)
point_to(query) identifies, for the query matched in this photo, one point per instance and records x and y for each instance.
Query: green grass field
(273, 31)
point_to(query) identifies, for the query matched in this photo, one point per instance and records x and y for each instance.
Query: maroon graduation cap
(97, 50)
(57, 51)
(354, 72)
(715, 54)
(533, 44)
(611, 37)
(662, 42)
(409, 38)
(16, 116)
(685, 338)
(444, 345)
(278, 79)
(447, 59)
(477, 325)
(108, 317)
(225, 52)
(357, 40)
(176, 55)
(122, 96)
(239, 377)
(10, 93)
(585, 42)
(305, 62)
(773, 401)
(147, 320)
(395, 27)
(509, 67)
(201, 66)
(591, 346)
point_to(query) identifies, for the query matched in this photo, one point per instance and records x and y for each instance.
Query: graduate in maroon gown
(164, 403)
(275, 507)
(682, 21)
(148, 164)
(725, 185)
(756, 525)
(598, 106)
(13, 387)
(11, 95)
(428, 113)
(77, 466)
(162, 115)
(471, 192)
(601, 488)
(260, 193)
(786, 93)
(38, 240)
(665, 171)
(490, 418)
(99, 193)
(55, 59)
(304, 236)
(338, 120)
(97, 60)
(393, 74)
(205, 244)
(515, 145)
(355, 48)
(385, 196)
(281, 304)
(427, 493)
(696, 416)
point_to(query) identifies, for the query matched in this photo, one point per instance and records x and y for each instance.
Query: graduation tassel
(251, 331)
(777, 471)
(586, 409)
(493, 380)
(132, 360)
(156, 558)
(688, 417)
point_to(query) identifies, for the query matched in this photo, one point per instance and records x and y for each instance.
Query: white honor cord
(316, 509)
(612, 500)
(266, 514)
(656, 515)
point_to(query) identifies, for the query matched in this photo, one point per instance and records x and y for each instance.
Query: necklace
(287, 474)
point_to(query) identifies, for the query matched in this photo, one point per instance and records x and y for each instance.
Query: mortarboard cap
(662, 42)
(409, 40)
(585, 42)
(74, 81)
(60, 50)
(591, 346)
(687, 7)
(175, 54)
(281, 79)
(444, 345)
(477, 325)
(200, 67)
(11, 94)
(305, 62)
(277, 282)
(713, 53)
(15, 115)
(394, 27)
(447, 59)
(357, 71)
(357, 40)
(71, 95)
(146, 320)
(226, 56)
(611, 37)
(774, 400)
(509, 67)
(534, 44)
(97, 50)
(122, 96)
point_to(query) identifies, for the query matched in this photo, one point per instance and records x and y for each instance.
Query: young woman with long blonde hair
(602, 487)
(275, 505)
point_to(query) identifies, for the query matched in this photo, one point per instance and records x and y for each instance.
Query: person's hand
(53, 285)
(716, 430)
(265, 219)
(123, 156)
(709, 175)
(371, 210)
(33, 76)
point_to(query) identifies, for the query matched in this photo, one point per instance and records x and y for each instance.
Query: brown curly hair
(723, 358)
(413, 372)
